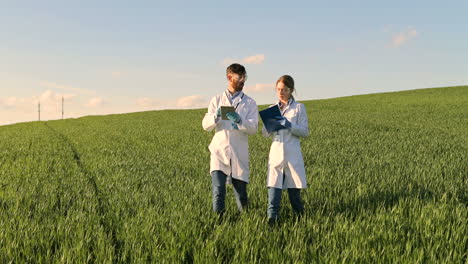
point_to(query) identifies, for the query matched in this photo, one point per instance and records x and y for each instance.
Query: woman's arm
(301, 128)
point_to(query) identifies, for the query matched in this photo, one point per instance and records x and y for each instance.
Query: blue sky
(125, 56)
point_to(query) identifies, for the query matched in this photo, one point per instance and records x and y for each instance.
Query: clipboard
(225, 110)
(269, 118)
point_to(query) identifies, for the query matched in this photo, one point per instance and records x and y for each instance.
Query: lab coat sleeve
(210, 119)
(301, 128)
(249, 124)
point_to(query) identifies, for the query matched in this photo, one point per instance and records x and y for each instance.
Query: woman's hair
(288, 81)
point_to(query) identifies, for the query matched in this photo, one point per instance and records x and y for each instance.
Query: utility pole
(39, 110)
(62, 107)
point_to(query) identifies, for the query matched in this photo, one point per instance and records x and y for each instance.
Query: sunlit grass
(387, 177)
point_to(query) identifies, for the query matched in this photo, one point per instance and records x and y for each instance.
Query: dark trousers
(274, 201)
(218, 181)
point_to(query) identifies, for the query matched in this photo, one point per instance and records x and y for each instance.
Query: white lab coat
(285, 152)
(230, 147)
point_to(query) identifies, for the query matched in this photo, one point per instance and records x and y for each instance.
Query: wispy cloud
(52, 85)
(50, 100)
(403, 37)
(260, 87)
(48, 97)
(186, 102)
(146, 102)
(16, 109)
(20, 109)
(9, 102)
(192, 101)
(254, 59)
(95, 102)
(51, 96)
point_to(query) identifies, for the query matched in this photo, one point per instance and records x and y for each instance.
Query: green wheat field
(387, 175)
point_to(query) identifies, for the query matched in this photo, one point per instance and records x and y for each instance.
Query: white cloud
(260, 87)
(254, 59)
(403, 37)
(9, 102)
(146, 102)
(49, 96)
(95, 102)
(51, 102)
(20, 109)
(16, 109)
(399, 39)
(51, 85)
(192, 101)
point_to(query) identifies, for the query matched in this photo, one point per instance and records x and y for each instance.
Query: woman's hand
(283, 121)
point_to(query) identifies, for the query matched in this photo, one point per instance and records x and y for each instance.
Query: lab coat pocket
(220, 149)
(276, 156)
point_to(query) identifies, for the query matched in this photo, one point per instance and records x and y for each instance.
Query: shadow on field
(373, 201)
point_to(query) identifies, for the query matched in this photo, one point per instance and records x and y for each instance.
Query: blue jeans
(218, 181)
(274, 201)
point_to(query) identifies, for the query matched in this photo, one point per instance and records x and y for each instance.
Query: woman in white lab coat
(285, 164)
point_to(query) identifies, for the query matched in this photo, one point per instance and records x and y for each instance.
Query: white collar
(290, 101)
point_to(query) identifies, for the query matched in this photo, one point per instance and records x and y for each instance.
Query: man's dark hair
(235, 68)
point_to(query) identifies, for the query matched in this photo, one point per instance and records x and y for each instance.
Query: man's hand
(234, 117)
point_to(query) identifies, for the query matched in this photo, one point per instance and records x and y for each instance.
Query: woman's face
(283, 92)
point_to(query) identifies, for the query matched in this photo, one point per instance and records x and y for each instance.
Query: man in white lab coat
(229, 148)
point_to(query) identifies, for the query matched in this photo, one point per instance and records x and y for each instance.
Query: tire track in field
(102, 202)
